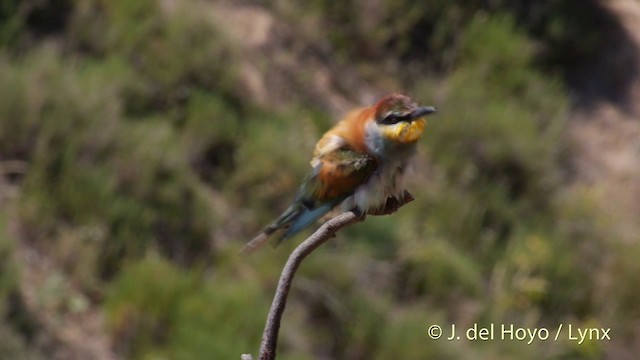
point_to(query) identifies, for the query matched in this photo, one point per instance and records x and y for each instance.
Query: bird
(358, 165)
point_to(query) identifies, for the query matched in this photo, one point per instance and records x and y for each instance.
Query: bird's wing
(335, 176)
(338, 173)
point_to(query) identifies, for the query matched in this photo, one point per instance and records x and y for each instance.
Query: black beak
(422, 112)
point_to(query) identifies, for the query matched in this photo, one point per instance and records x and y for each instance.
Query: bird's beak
(422, 112)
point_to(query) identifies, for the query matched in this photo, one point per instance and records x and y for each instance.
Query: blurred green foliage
(148, 166)
(430, 32)
(178, 314)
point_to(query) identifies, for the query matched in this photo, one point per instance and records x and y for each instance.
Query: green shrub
(210, 135)
(155, 308)
(493, 197)
(8, 268)
(171, 51)
(92, 184)
(143, 304)
(11, 22)
(499, 153)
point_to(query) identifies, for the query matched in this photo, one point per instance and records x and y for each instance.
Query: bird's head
(400, 119)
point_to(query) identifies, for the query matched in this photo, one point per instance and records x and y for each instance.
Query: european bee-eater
(359, 163)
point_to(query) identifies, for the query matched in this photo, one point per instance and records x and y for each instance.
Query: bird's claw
(392, 204)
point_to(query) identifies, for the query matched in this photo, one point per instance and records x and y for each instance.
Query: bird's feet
(393, 204)
(359, 213)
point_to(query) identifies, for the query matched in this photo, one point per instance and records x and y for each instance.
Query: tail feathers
(306, 218)
(255, 243)
(287, 217)
(295, 219)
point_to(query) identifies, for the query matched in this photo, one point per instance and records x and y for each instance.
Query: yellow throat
(405, 132)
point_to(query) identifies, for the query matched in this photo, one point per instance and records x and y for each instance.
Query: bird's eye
(394, 118)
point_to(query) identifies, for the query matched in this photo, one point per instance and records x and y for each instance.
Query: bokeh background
(143, 142)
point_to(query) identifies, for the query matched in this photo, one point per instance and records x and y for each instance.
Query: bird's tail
(286, 217)
(295, 219)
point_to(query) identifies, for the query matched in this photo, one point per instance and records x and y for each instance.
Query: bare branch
(324, 233)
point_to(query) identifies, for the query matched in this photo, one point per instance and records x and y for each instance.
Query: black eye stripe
(394, 119)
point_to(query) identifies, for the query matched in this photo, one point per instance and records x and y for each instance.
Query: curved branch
(324, 233)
